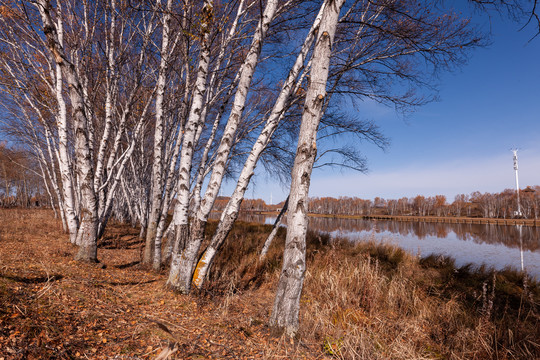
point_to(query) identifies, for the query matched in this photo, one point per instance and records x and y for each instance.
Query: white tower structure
(518, 213)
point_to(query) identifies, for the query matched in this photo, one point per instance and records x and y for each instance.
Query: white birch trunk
(275, 229)
(170, 192)
(157, 168)
(66, 168)
(110, 86)
(54, 180)
(167, 200)
(121, 164)
(117, 163)
(285, 312)
(89, 217)
(183, 265)
(201, 174)
(230, 213)
(227, 140)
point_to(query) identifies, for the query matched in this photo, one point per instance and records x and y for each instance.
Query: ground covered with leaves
(360, 301)
(52, 307)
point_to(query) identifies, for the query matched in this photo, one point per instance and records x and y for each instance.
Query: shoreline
(413, 218)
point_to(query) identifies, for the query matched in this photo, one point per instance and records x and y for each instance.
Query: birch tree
(89, 212)
(25, 65)
(158, 161)
(287, 302)
(183, 263)
(376, 44)
(112, 88)
(375, 50)
(230, 213)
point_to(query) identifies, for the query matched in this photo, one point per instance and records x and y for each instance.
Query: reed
(375, 301)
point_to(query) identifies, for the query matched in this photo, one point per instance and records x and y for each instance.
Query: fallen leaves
(92, 313)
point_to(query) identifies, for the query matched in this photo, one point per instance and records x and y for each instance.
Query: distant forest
(21, 185)
(501, 205)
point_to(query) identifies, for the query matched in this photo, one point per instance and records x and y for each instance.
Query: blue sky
(459, 144)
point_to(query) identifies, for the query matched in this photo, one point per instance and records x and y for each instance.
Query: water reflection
(494, 245)
(480, 233)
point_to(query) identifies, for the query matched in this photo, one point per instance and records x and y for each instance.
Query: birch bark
(224, 101)
(110, 87)
(183, 264)
(275, 229)
(284, 316)
(230, 213)
(178, 263)
(157, 168)
(170, 192)
(66, 169)
(89, 217)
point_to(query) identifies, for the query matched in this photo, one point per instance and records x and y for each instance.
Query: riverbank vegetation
(360, 301)
(501, 205)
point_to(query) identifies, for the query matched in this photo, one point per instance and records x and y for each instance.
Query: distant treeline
(21, 177)
(22, 185)
(503, 205)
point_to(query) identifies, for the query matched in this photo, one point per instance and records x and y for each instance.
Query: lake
(496, 246)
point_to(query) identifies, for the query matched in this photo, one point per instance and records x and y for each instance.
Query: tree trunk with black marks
(182, 263)
(218, 172)
(284, 318)
(232, 209)
(85, 171)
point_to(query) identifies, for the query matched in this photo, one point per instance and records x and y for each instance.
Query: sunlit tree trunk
(88, 214)
(284, 316)
(183, 265)
(157, 168)
(110, 86)
(215, 82)
(230, 213)
(64, 162)
(170, 192)
(180, 262)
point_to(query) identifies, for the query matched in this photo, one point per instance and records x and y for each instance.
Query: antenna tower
(518, 212)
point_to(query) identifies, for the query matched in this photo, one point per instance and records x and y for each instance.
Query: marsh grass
(364, 300)
(370, 300)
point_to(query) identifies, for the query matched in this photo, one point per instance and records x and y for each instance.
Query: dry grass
(373, 301)
(365, 301)
(376, 301)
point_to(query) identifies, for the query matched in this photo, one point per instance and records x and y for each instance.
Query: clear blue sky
(459, 144)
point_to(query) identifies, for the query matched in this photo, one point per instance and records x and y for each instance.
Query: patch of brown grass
(376, 301)
(360, 301)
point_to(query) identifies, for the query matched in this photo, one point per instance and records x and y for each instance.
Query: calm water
(493, 245)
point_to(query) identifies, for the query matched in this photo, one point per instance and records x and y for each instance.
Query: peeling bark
(230, 213)
(284, 318)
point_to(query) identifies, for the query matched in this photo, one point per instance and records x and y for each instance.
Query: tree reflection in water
(506, 236)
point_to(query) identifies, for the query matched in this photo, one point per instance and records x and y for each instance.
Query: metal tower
(518, 212)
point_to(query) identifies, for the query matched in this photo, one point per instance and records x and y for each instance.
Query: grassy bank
(374, 301)
(430, 218)
(363, 301)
